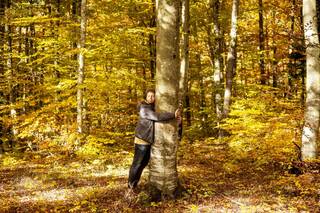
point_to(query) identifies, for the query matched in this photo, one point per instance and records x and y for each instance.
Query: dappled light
(246, 171)
(160, 106)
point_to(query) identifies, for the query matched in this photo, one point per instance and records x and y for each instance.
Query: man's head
(150, 96)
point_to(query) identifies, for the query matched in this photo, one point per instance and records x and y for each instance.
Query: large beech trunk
(163, 176)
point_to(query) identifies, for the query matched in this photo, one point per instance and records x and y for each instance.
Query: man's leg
(140, 161)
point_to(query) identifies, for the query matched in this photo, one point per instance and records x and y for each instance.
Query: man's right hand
(177, 114)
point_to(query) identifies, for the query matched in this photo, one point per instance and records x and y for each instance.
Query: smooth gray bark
(184, 61)
(231, 60)
(312, 106)
(163, 176)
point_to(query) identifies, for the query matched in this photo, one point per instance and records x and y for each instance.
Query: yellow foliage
(263, 124)
(9, 160)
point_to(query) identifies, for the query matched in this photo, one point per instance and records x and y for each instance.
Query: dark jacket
(147, 117)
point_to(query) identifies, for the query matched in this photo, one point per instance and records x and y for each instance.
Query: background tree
(232, 59)
(312, 110)
(261, 44)
(81, 68)
(184, 65)
(216, 50)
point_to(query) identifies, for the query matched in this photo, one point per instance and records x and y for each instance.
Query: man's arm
(149, 114)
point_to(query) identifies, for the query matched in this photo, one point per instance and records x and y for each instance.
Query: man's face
(150, 97)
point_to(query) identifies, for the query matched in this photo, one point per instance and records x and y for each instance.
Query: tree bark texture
(216, 58)
(184, 64)
(318, 17)
(163, 176)
(2, 37)
(231, 60)
(152, 46)
(202, 101)
(81, 46)
(261, 45)
(312, 106)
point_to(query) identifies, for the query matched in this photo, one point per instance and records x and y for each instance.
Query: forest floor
(245, 171)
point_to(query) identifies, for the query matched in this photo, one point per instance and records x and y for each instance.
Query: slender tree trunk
(2, 65)
(163, 176)
(292, 62)
(184, 64)
(24, 90)
(152, 45)
(81, 46)
(188, 107)
(216, 58)
(274, 67)
(2, 37)
(318, 16)
(27, 90)
(312, 107)
(202, 104)
(303, 89)
(184, 61)
(75, 13)
(232, 59)
(8, 32)
(261, 45)
(274, 63)
(144, 85)
(304, 68)
(267, 52)
(54, 26)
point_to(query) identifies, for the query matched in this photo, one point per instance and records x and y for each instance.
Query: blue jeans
(140, 161)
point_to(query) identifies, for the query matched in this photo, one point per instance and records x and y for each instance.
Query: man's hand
(178, 114)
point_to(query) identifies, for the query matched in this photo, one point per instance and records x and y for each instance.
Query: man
(144, 135)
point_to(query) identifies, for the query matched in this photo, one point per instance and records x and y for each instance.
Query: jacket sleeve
(149, 114)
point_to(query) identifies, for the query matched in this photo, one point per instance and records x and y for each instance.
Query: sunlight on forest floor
(244, 172)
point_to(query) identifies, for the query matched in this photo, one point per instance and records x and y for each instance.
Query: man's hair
(149, 90)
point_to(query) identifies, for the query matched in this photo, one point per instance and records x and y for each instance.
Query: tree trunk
(232, 59)
(184, 61)
(292, 62)
(312, 107)
(163, 176)
(261, 45)
(2, 68)
(202, 103)
(303, 89)
(81, 46)
(318, 17)
(75, 13)
(8, 32)
(217, 60)
(274, 63)
(267, 52)
(188, 107)
(152, 45)
(2, 38)
(274, 67)
(54, 26)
